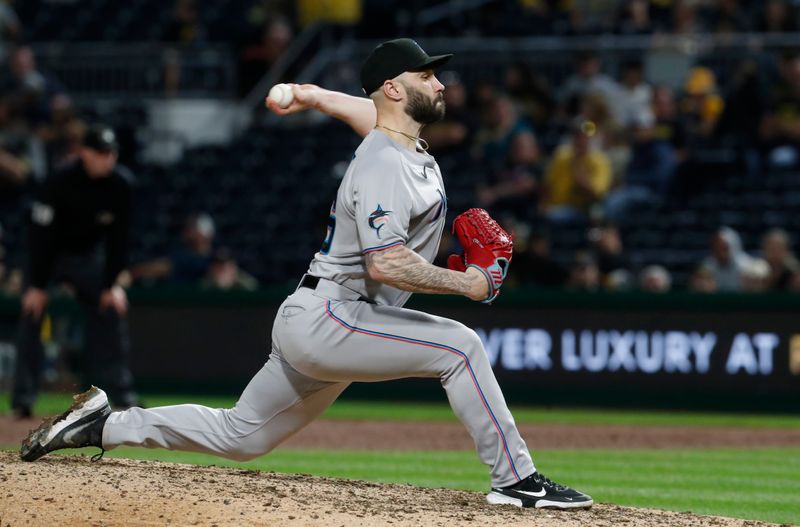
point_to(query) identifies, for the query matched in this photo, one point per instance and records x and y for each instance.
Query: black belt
(309, 281)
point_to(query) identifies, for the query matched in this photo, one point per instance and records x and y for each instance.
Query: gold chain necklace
(418, 141)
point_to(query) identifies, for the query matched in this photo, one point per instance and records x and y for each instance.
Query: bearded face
(422, 109)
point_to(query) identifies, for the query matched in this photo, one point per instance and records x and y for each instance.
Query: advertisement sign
(749, 360)
(659, 354)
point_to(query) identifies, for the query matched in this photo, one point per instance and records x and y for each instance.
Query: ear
(393, 90)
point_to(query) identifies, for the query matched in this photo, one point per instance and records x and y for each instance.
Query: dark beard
(422, 109)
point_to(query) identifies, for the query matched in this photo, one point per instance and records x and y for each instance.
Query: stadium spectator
(500, 124)
(258, 57)
(189, 263)
(605, 247)
(778, 16)
(662, 14)
(755, 276)
(342, 13)
(649, 173)
(512, 190)
(15, 151)
(584, 274)
(534, 263)
(700, 111)
(531, 92)
(655, 279)
(606, 133)
(184, 31)
(618, 280)
(482, 95)
(725, 16)
(780, 128)
(685, 18)
(586, 80)
(744, 108)
(534, 17)
(224, 273)
(702, 106)
(633, 18)
(457, 129)
(668, 125)
(578, 178)
(777, 251)
(703, 280)
(66, 137)
(636, 93)
(727, 259)
(79, 235)
(590, 18)
(10, 29)
(30, 90)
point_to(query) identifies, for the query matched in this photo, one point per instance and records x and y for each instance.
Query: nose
(438, 87)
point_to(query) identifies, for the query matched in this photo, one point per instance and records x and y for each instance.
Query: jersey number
(326, 244)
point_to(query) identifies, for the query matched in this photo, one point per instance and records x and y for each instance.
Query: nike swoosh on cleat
(69, 436)
(97, 401)
(538, 494)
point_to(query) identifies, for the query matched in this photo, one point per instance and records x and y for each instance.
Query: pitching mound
(61, 490)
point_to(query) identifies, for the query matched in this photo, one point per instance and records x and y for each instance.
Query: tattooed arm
(404, 269)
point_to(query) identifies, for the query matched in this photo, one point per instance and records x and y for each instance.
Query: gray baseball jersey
(389, 196)
(327, 337)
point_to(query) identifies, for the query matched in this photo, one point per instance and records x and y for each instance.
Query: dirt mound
(61, 490)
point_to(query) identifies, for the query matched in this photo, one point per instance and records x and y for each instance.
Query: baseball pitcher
(346, 321)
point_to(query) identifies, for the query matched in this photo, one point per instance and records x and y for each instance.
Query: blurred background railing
(123, 71)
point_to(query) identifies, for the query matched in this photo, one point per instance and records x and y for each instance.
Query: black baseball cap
(101, 138)
(394, 57)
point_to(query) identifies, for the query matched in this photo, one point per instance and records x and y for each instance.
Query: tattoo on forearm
(404, 269)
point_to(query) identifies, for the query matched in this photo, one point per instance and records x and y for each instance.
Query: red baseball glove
(487, 247)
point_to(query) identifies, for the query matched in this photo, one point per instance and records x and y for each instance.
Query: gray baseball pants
(322, 340)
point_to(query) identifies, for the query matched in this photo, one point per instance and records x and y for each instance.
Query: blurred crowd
(604, 265)
(642, 17)
(589, 149)
(599, 147)
(41, 132)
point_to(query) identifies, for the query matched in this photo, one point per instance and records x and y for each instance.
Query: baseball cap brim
(433, 62)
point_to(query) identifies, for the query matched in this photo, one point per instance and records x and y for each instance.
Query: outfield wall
(676, 350)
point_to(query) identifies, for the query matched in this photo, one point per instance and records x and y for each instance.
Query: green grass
(760, 484)
(757, 484)
(52, 403)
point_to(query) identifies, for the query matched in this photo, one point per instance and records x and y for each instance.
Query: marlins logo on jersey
(378, 218)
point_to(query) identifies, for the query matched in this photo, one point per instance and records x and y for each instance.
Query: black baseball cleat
(539, 492)
(78, 427)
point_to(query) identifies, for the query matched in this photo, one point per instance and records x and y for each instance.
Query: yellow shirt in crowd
(560, 181)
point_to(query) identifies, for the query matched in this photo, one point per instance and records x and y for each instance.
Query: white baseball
(282, 94)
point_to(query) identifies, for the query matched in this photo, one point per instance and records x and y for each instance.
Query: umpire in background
(79, 234)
